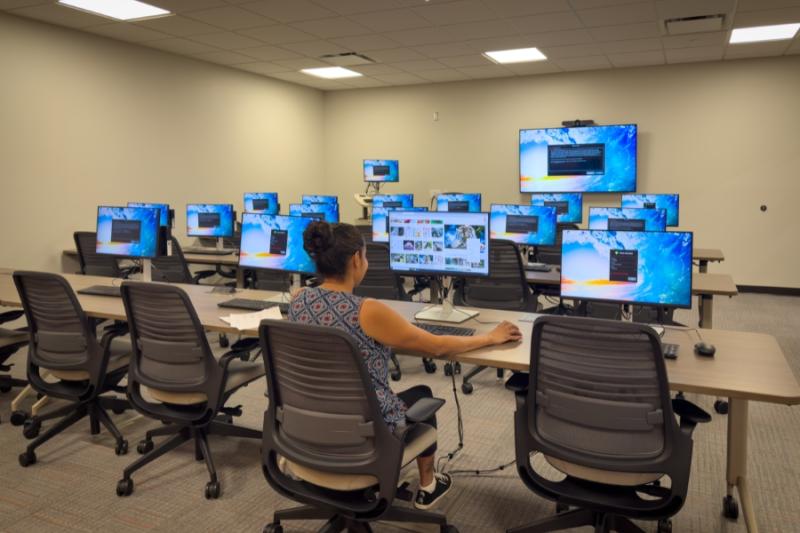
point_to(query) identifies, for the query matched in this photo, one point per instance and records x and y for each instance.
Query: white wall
(723, 135)
(86, 120)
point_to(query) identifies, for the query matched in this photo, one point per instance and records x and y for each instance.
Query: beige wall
(723, 135)
(86, 120)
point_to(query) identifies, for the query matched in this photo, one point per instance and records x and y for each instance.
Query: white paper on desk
(245, 321)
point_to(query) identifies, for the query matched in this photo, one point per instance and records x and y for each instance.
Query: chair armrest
(245, 346)
(202, 274)
(690, 414)
(8, 316)
(228, 357)
(518, 382)
(423, 409)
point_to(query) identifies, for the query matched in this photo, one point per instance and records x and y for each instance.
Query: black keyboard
(437, 329)
(202, 250)
(102, 290)
(670, 350)
(253, 305)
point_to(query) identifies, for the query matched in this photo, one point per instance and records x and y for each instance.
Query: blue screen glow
(275, 242)
(627, 219)
(470, 202)
(127, 231)
(530, 225)
(394, 200)
(164, 208)
(326, 212)
(380, 221)
(670, 202)
(569, 205)
(319, 199)
(261, 202)
(381, 170)
(209, 220)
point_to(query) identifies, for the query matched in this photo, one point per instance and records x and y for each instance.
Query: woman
(340, 256)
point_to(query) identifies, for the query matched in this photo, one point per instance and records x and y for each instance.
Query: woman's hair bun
(318, 237)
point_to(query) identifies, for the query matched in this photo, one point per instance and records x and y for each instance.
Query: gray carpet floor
(72, 487)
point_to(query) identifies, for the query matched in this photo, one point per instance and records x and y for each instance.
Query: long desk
(704, 256)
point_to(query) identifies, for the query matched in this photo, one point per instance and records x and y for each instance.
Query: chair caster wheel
(500, 373)
(449, 528)
(224, 342)
(144, 446)
(5, 388)
(430, 366)
(448, 369)
(31, 428)
(561, 508)
(396, 375)
(272, 528)
(121, 448)
(721, 407)
(467, 388)
(213, 490)
(730, 507)
(664, 526)
(18, 418)
(118, 411)
(27, 459)
(124, 487)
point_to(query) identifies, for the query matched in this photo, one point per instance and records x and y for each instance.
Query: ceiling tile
(640, 30)
(486, 71)
(364, 82)
(288, 11)
(445, 50)
(766, 17)
(455, 12)
(515, 8)
(694, 40)
(443, 75)
(365, 43)
(178, 26)
(566, 20)
(14, 4)
(501, 43)
(535, 67)
(740, 51)
(309, 81)
(632, 45)
(127, 32)
(180, 46)
(572, 50)
(180, 6)
(472, 60)
(403, 78)
(278, 34)
(226, 40)
(262, 67)
(420, 36)
(611, 16)
(667, 9)
(332, 27)
(394, 20)
(583, 63)
(224, 57)
(592, 4)
(561, 38)
(637, 59)
(315, 48)
(63, 16)
(378, 68)
(349, 7)
(301, 63)
(230, 18)
(394, 55)
(479, 30)
(700, 53)
(795, 47)
(414, 66)
(755, 5)
(269, 53)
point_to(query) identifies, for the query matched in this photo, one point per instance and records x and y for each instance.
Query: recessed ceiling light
(117, 9)
(754, 34)
(331, 73)
(518, 55)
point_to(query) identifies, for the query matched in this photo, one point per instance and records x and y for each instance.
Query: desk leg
(703, 265)
(705, 304)
(240, 278)
(737, 460)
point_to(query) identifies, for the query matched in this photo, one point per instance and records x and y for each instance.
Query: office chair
(11, 340)
(326, 444)
(506, 288)
(64, 344)
(597, 406)
(94, 264)
(174, 377)
(382, 283)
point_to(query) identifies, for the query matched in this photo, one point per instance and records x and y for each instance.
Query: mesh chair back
(171, 268)
(92, 263)
(380, 281)
(506, 286)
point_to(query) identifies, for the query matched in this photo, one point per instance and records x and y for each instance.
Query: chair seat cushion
(240, 373)
(421, 437)
(608, 477)
(119, 357)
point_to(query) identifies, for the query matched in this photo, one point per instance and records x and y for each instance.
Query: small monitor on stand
(210, 220)
(167, 219)
(569, 205)
(393, 200)
(129, 232)
(319, 199)
(528, 225)
(381, 171)
(326, 212)
(670, 202)
(439, 244)
(627, 219)
(380, 221)
(261, 202)
(459, 202)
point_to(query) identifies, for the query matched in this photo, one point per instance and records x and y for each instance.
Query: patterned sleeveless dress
(322, 307)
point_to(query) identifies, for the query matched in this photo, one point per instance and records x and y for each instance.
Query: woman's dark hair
(331, 246)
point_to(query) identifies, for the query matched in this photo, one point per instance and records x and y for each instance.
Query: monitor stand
(443, 309)
(147, 270)
(220, 243)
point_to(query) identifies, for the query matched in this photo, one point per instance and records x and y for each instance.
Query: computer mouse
(704, 349)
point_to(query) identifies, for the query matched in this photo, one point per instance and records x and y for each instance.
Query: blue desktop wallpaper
(545, 234)
(147, 244)
(225, 228)
(474, 200)
(394, 170)
(654, 219)
(574, 214)
(163, 207)
(619, 168)
(319, 199)
(379, 222)
(271, 197)
(256, 236)
(664, 271)
(331, 211)
(406, 199)
(670, 202)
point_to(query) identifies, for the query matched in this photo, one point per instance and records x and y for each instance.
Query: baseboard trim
(760, 289)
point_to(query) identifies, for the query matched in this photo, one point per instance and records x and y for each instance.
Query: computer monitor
(670, 202)
(381, 170)
(261, 202)
(638, 267)
(319, 199)
(393, 200)
(627, 219)
(569, 205)
(209, 220)
(529, 225)
(326, 212)
(380, 221)
(275, 242)
(163, 208)
(461, 202)
(583, 159)
(128, 231)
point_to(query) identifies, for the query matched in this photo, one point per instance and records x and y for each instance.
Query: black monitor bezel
(159, 238)
(244, 202)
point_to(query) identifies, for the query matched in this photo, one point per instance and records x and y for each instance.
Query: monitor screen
(393, 200)
(380, 221)
(319, 199)
(128, 231)
(569, 205)
(670, 202)
(531, 225)
(261, 202)
(164, 208)
(439, 243)
(326, 212)
(467, 202)
(627, 219)
(275, 242)
(586, 159)
(640, 267)
(209, 220)
(381, 170)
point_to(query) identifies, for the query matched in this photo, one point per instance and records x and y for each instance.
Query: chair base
(467, 387)
(602, 523)
(7, 383)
